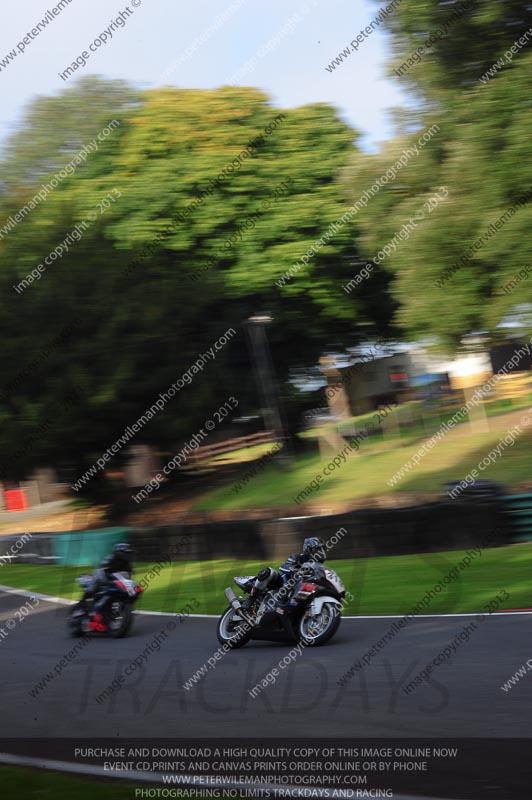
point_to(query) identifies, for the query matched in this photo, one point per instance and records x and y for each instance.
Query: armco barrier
(201, 542)
(35, 550)
(398, 531)
(446, 525)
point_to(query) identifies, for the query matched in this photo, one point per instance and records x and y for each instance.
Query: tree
(449, 275)
(461, 40)
(183, 249)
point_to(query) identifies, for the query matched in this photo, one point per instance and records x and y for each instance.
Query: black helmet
(315, 548)
(122, 549)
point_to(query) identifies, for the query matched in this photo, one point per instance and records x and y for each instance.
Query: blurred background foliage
(138, 328)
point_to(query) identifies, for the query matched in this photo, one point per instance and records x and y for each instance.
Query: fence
(445, 525)
(227, 446)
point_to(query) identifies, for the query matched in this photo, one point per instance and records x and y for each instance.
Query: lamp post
(271, 413)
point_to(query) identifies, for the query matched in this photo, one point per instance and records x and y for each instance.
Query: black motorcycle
(308, 612)
(120, 592)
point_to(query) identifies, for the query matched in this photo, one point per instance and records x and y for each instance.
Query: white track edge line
(63, 601)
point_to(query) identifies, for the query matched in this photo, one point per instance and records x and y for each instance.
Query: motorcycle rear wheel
(319, 629)
(118, 618)
(230, 633)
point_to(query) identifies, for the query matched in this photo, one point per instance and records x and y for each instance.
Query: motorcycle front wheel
(118, 617)
(232, 631)
(319, 628)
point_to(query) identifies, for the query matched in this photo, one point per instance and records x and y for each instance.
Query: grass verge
(36, 784)
(374, 470)
(384, 585)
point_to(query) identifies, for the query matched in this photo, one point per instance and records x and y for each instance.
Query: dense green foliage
(190, 243)
(211, 196)
(481, 156)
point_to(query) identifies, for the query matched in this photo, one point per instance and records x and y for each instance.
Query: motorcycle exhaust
(233, 599)
(236, 604)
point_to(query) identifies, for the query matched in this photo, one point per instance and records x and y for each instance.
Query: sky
(291, 42)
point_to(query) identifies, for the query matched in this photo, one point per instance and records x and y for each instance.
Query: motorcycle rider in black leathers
(269, 579)
(120, 560)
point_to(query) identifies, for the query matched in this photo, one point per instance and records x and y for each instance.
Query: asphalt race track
(463, 699)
